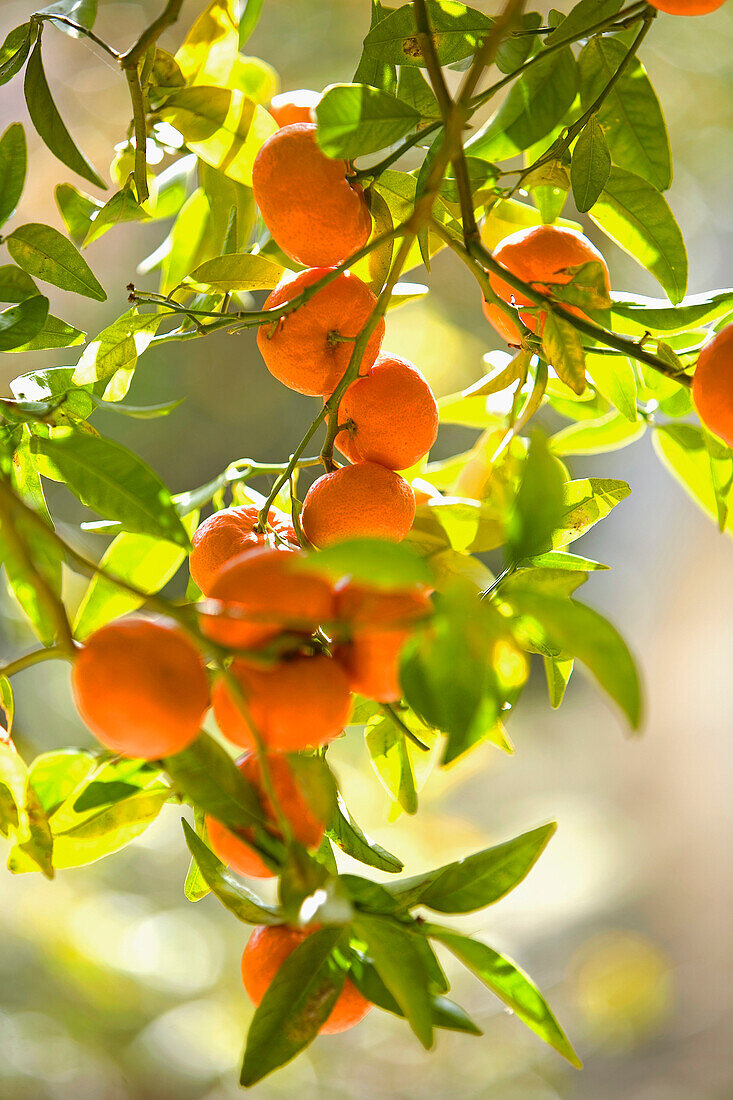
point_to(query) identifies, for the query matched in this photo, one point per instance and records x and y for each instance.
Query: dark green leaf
(345, 832)
(517, 47)
(54, 334)
(634, 215)
(113, 481)
(206, 774)
(356, 119)
(590, 166)
(446, 1014)
(477, 880)
(630, 115)
(295, 1005)
(44, 252)
(21, 323)
(515, 988)
(14, 51)
(402, 969)
(15, 284)
(225, 885)
(48, 122)
(371, 69)
(12, 169)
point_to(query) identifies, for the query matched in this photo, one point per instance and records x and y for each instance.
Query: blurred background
(114, 987)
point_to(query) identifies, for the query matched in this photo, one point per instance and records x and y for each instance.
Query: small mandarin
(537, 255)
(712, 385)
(233, 847)
(267, 949)
(361, 501)
(289, 107)
(687, 7)
(229, 532)
(310, 348)
(391, 415)
(261, 593)
(141, 687)
(299, 703)
(306, 199)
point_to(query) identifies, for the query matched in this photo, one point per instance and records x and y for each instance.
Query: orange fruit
(229, 532)
(267, 949)
(141, 687)
(259, 594)
(307, 202)
(687, 7)
(298, 703)
(289, 107)
(712, 385)
(537, 255)
(361, 501)
(301, 350)
(380, 624)
(233, 848)
(391, 415)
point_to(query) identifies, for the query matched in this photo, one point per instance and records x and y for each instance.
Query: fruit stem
(35, 657)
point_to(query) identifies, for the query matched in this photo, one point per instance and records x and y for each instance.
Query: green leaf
(538, 506)
(51, 385)
(383, 564)
(536, 103)
(591, 437)
(413, 89)
(48, 122)
(587, 501)
(77, 210)
(15, 284)
(206, 773)
(583, 15)
(44, 252)
(510, 984)
(295, 1006)
(579, 631)
(111, 480)
(721, 475)
(14, 51)
(58, 774)
(557, 559)
(210, 47)
(516, 48)
(562, 346)
(345, 832)
(399, 964)
(615, 378)
(681, 449)
(391, 761)
(122, 207)
(477, 880)
(146, 562)
(446, 1014)
(24, 819)
(634, 215)
(557, 672)
(83, 13)
(250, 17)
(233, 894)
(637, 314)
(21, 323)
(630, 115)
(355, 119)
(237, 271)
(458, 32)
(7, 706)
(196, 887)
(113, 355)
(590, 166)
(12, 169)
(54, 334)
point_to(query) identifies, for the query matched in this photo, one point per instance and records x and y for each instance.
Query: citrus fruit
(361, 501)
(712, 385)
(229, 532)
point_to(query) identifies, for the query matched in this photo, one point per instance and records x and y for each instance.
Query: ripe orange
(687, 7)
(233, 848)
(391, 415)
(301, 350)
(307, 202)
(712, 385)
(261, 593)
(141, 687)
(289, 107)
(423, 490)
(229, 532)
(267, 949)
(361, 501)
(380, 624)
(537, 255)
(299, 703)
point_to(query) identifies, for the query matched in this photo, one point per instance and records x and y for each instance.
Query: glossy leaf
(391, 762)
(12, 169)
(446, 1014)
(54, 334)
(209, 50)
(122, 207)
(207, 774)
(237, 271)
(113, 481)
(224, 884)
(558, 673)
(77, 210)
(345, 832)
(112, 356)
(590, 166)
(587, 501)
(590, 437)
(19, 324)
(15, 50)
(398, 962)
(48, 122)
(355, 119)
(458, 32)
(44, 252)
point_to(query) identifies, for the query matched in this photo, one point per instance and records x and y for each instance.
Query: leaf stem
(393, 714)
(35, 657)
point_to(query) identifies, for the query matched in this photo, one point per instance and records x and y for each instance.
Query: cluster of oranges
(388, 417)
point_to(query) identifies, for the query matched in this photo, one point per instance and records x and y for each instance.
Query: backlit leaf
(44, 252)
(12, 169)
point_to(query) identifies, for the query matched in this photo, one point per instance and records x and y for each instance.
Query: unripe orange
(537, 255)
(314, 212)
(289, 107)
(303, 350)
(234, 849)
(391, 415)
(361, 501)
(261, 593)
(299, 703)
(141, 687)
(267, 949)
(712, 385)
(229, 532)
